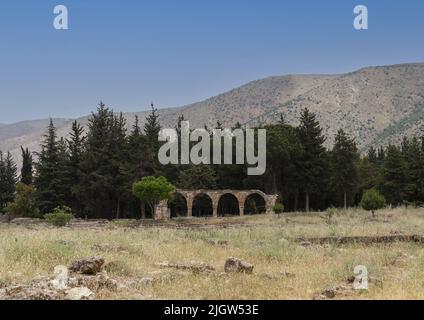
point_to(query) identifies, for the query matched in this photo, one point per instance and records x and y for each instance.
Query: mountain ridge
(377, 105)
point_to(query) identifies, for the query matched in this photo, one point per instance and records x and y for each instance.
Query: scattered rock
(89, 266)
(79, 293)
(146, 281)
(194, 266)
(329, 293)
(109, 248)
(278, 275)
(214, 242)
(237, 265)
(305, 244)
(95, 283)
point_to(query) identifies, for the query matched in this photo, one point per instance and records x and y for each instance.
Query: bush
(278, 208)
(60, 217)
(372, 200)
(24, 204)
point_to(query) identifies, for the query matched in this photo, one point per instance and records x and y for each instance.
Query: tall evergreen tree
(394, 176)
(311, 163)
(344, 165)
(27, 167)
(8, 180)
(101, 166)
(46, 181)
(73, 171)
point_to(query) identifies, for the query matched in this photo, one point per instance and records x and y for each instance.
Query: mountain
(377, 105)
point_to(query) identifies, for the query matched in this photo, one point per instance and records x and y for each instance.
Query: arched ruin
(212, 204)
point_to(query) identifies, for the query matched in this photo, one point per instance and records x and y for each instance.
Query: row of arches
(202, 205)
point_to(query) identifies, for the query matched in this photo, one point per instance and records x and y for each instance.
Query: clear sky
(129, 53)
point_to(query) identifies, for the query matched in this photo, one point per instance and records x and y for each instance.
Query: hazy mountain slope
(377, 105)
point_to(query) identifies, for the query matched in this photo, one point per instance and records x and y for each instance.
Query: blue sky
(129, 53)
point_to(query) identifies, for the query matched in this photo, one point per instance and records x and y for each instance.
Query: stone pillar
(271, 200)
(241, 208)
(215, 202)
(241, 198)
(162, 211)
(189, 206)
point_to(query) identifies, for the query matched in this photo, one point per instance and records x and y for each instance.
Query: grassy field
(283, 268)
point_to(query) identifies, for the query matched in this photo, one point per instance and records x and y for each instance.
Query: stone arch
(228, 204)
(202, 205)
(255, 203)
(178, 206)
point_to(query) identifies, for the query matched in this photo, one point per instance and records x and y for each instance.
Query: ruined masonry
(163, 211)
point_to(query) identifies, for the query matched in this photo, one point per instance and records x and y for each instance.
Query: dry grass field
(283, 267)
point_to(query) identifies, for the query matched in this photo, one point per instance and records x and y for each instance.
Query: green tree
(393, 184)
(73, 167)
(46, 181)
(151, 133)
(8, 179)
(151, 190)
(101, 171)
(311, 163)
(344, 164)
(27, 167)
(25, 204)
(413, 155)
(197, 177)
(372, 200)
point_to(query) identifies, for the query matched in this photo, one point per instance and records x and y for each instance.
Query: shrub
(278, 208)
(372, 200)
(60, 217)
(24, 204)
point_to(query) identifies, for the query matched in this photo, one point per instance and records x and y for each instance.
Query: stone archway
(254, 204)
(202, 206)
(228, 205)
(212, 202)
(178, 206)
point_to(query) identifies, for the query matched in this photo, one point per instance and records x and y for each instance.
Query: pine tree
(310, 165)
(73, 170)
(8, 180)
(102, 175)
(46, 180)
(152, 129)
(27, 167)
(413, 154)
(394, 176)
(344, 164)
(372, 155)
(197, 177)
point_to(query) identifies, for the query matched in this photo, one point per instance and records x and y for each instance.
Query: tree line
(93, 171)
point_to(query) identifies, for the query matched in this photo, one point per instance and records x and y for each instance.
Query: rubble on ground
(237, 265)
(81, 281)
(194, 266)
